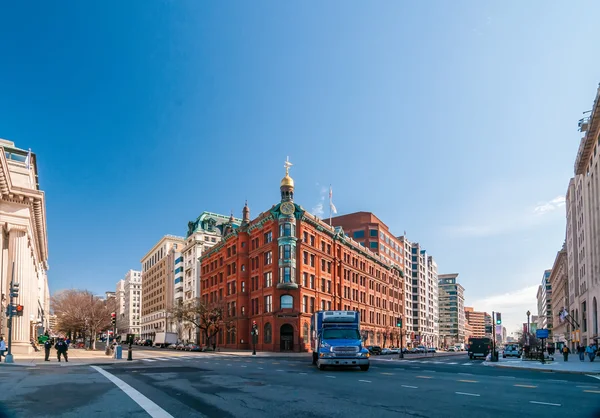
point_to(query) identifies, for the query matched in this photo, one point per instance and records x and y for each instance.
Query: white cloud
(513, 305)
(318, 209)
(550, 206)
(498, 218)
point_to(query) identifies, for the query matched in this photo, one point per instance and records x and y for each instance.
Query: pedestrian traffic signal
(114, 318)
(498, 318)
(19, 310)
(399, 322)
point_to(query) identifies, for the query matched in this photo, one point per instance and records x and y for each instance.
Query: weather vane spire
(287, 166)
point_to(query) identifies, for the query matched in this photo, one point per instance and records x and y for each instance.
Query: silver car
(511, 351)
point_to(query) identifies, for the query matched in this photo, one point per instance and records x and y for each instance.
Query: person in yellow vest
(566, 351)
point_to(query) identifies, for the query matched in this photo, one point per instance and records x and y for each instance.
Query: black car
(374, 349)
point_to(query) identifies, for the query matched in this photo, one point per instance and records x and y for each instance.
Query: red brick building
(286, 264)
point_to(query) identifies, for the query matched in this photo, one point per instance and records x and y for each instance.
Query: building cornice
(33, 198)
(589, 140)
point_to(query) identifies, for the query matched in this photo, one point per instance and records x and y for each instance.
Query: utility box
(118, 352)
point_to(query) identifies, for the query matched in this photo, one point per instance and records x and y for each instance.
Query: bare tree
(79, 311)
(209, 318)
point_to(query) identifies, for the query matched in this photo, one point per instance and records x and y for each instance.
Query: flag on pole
(331, 205)
(28, 159)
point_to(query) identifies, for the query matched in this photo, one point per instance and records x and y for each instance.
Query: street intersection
(216, 385)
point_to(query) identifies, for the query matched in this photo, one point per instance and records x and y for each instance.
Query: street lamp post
(528, 315)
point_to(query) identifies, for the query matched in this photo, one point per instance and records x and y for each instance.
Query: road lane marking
(595, 376)
(465, 374)
(161, 359)
(429, 371)
(557, 380)
(275, 362)
(146, 404)
(467, 364)
(260, 368)
(409, 386)
(261, 362)
(525, 386)
(331, 377)
(228, 365)
(453, 363)
(387, 374)
(244, 366)
(467, 394)
(545, 403)
(148, 359)
(302, 373)
(468, 381)
(587, 387)
(424, 377)
(506, 377)
(364, 381)
(278, 370)
(592, 391)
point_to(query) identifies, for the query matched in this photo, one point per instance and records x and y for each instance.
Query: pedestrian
(47, 347)
(590, 350)
(2, 348)
(566, 352)
(61, 349)
(581, 352)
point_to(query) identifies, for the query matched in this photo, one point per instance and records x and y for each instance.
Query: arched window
(268, 334)
(287, 302)
(305, 332)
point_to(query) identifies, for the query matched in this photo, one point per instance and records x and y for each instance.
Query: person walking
(581, 352)
(590, 350)
(2, 348)
(47, 347)
(565, 352)
(61, 349)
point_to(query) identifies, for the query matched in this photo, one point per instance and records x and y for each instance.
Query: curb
(72, 364)
(545, 371)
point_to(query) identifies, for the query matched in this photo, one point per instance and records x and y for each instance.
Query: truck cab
(336, 340)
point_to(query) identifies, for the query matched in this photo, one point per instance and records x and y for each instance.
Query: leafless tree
(79, 311)
(209, 318)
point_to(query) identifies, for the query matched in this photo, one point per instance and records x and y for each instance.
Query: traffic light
(14, 290)
(498, 318)
(19, 310)
(254, 328)
(114, 318)
(399, 322)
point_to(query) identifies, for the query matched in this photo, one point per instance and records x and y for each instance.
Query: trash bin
(118, 352)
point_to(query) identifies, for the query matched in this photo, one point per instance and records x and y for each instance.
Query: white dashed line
(146, 404)
(260, 368)
(365, 381)
(587, 387)
(508, 377)
(244, 366)
(409, 386)
(148, 359)
(545, 403)
(467, 394)
(229, 365)
(467, 364)
(557, 380)
(465, 374)
(278, 370)
(331, 377)
(161, 359)
(453, 363)
(302, 373)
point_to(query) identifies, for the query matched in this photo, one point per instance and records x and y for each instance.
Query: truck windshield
(341, 334)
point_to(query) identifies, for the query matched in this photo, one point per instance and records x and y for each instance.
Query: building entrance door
(286, 337)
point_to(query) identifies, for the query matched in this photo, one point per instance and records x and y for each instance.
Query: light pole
(528, 315)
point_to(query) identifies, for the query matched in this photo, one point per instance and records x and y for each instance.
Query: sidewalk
(77, 357)
(574, 365)
(431, 356)
(248, 353)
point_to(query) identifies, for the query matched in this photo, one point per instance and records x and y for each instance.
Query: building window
(268, 237)
(268, 279)
(287, 302)
(305, 304)
(268, 258)
(373, 244)
(268, 303)
(285, 275)
(286, 230)
(358, 234)
(285, 252)
(267, 334)
(305, 333)
(373, 233)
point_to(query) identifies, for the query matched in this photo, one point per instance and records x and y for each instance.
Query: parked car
(512, 350)
(374, 349)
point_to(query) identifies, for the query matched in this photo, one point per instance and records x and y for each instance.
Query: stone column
(18, 252)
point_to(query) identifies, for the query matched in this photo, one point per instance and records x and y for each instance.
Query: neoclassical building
(24, 245)
(286, 264)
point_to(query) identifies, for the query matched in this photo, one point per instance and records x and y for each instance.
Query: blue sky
(453, 121)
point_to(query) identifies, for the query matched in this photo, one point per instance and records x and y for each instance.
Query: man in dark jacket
(47, 347)
(61, 348)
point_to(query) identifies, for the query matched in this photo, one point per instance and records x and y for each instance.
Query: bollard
(129, 353)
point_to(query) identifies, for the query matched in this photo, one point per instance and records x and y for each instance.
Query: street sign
(541, 333)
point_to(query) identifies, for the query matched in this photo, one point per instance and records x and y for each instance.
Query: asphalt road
(212, 385)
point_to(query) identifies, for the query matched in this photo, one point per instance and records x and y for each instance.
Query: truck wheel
(314, 358)
(321, 366)
(364, 368)
(471, 356)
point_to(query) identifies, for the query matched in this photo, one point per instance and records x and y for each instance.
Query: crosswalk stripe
(467, 364)
(148, 359)
(161, 359)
